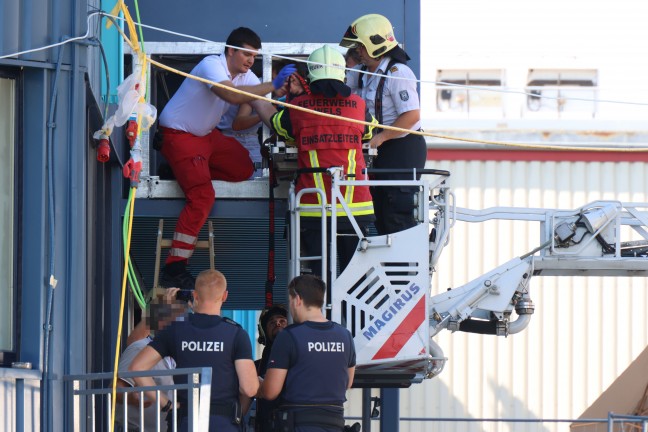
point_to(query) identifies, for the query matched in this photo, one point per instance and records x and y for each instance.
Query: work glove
(133, 168)
(283, 75)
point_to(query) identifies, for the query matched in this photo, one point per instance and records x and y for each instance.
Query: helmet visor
(350, 39)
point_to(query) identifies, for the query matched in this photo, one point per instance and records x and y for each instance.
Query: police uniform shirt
(206, 340)
(399, 95)
(317, 356)
(194, 108)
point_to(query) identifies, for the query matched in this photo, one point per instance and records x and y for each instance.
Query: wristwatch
(167, 407)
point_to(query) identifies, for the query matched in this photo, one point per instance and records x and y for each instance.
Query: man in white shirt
(197, 151)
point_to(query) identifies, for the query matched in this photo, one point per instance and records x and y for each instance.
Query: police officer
(271, 322)
(323, 143)
(313, 361)
(206, 339)
(394, 102)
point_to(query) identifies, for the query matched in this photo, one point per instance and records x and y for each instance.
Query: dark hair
(158, 313)
(353, 54)
(243, 35)
(310, 288)
(266, 314)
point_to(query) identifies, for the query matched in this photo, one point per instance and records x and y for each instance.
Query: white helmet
(373, 31)
(331, 64)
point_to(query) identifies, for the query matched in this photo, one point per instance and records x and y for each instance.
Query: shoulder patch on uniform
(393, 69)
(231, 321)
(404, 95)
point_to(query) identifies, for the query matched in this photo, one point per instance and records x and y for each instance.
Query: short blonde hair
(211, 285)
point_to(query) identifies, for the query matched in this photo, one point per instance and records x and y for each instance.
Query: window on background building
(8, 301)
(452, 96)
(562, 93)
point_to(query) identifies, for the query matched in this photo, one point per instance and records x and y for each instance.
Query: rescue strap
(271, 276)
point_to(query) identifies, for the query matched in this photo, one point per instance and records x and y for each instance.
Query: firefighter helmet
(328, 63)
(373, 31)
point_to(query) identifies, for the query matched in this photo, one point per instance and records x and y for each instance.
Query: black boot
(176, 275)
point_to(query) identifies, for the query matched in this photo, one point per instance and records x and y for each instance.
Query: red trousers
(195, 162)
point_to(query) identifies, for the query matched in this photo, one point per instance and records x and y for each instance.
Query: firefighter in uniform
(311, 366)
(271, 322)
(207, 339)
(394, 102)
(198, 152)
(323, 143)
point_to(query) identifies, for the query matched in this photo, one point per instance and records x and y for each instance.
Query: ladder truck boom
(384, 295)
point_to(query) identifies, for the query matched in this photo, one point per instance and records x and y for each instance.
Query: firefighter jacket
(325, 142)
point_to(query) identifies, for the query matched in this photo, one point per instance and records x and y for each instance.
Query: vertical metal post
(20, 404)
(205, 397)
(610, 422)
(390, 414)
(366, 410)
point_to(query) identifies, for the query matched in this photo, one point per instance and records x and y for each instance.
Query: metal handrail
(84, 386)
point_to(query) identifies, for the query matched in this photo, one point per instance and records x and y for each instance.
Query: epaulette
(393, 69)
(231, 321)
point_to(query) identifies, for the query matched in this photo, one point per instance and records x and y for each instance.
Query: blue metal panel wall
(26, 25)
(285, 21)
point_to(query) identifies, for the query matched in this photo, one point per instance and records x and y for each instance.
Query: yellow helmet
(331, 65)
(373, 31)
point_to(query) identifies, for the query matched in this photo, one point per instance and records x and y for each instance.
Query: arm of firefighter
(248, 381)
(404, 121)
(351, 375)
(144, 361)
(273, 383)
(282, 125)
(368, 130)
(265, 110)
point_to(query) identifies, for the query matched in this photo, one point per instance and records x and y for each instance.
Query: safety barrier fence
(26, 382)
(614, 422)
(90, 399)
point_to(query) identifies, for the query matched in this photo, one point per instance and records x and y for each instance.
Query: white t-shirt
(126, 358)
(399, 95)
(194, 108)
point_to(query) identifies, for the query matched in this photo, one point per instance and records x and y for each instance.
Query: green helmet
(331, 64)
(373, 31)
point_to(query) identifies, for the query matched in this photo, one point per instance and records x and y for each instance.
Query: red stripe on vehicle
(403, 333)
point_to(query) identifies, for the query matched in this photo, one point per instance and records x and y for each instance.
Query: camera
(185, 295)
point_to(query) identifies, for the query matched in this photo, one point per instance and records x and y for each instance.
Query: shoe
(183, 280)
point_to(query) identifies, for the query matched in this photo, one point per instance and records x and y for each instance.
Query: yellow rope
(134, 44)
(422, 133)
(121, 311)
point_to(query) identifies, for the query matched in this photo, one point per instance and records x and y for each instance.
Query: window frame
(7, 357)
